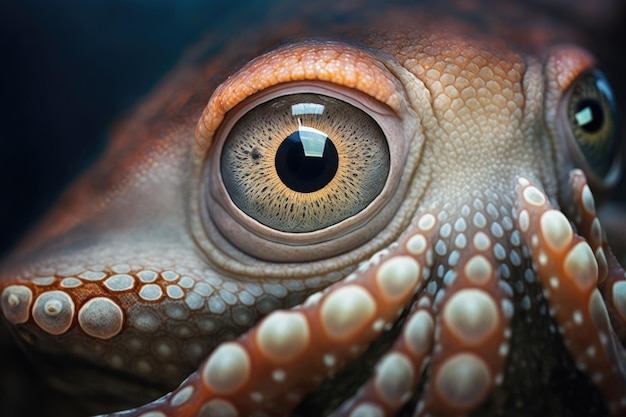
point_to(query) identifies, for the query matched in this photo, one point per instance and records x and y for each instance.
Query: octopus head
(351, 247)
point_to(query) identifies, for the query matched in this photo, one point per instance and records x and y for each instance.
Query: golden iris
(303, 162)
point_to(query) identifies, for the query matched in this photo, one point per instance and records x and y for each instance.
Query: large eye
(592, 115)
(303, 162)
(305, 171)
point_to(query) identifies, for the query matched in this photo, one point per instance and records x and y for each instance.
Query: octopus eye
(306, 171)
(303, 162)
(593, 120)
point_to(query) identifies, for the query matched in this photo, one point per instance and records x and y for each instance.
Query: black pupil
(304, 164)
(591, 115)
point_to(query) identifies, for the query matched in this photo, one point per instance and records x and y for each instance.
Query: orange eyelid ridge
(332, 62)
(568, 62)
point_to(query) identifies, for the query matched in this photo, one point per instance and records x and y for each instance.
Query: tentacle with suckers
(570, 271)
(450, 286)
(397, 373)
(290, 352)
(611, 275)
(473, 329)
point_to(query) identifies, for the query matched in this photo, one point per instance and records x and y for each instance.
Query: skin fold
(478, 279)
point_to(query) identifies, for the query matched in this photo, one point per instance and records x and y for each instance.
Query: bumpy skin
(484, 281)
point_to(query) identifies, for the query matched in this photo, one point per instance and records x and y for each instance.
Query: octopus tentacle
(614, 294)
(266, 370)
(472, 331)
(611, 275)
(587, 222)
(569, 269)
(397, 373)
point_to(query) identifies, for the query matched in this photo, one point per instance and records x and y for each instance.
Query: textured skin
(130, 283)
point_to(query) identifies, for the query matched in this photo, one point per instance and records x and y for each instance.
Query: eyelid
(565, 64)
(334, 62)
(300, 244)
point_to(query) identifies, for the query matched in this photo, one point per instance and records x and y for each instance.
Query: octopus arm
(578, 281)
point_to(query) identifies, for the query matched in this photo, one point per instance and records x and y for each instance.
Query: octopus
(375, 219)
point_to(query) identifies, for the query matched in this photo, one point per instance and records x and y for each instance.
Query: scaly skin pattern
(478, 282)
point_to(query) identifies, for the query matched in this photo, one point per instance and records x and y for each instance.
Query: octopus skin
(476, 277)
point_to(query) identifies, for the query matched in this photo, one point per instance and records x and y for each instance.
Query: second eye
(303, 162)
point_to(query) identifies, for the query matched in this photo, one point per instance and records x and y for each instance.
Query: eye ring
(270, 243)
(590, 123)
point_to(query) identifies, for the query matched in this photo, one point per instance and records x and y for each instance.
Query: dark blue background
(68, 68)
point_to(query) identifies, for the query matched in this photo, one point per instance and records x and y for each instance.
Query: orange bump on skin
(397, 277)
(581, 266)
(463, 380)
(478, 270)
(283, 336)
(227, 369)
(54, 311)
(556, 230)
(100, 317)
(15, 302)
(472, 315)
(346, 311)
(419, 332)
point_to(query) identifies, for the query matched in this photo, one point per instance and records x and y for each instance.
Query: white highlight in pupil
(313, 141)
(584, 117)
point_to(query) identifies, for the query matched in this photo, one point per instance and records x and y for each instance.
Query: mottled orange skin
(461, 92)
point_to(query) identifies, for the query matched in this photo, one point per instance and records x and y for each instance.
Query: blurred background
(68, 69)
